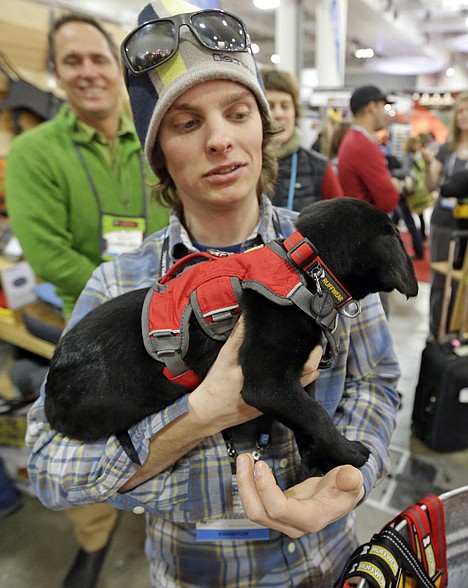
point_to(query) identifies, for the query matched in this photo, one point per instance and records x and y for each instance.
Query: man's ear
(55, 73)
(371, 106)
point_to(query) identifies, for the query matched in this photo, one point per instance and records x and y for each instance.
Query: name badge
(231, 530)
(235, 528)
(120, 235)
(448, 203)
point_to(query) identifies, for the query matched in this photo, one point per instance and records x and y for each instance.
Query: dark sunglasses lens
(220, 31)
(151, 45)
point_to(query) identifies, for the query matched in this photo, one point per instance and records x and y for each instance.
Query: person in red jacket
(362, 166)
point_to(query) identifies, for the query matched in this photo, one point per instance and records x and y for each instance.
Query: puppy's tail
(124, 439)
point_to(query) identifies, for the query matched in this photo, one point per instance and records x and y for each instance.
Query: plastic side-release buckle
(164, 342)
(300, 251)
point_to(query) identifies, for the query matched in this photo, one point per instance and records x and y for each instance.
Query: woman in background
(339, 131)
(451, 158)
(412, 168)
(303, 176)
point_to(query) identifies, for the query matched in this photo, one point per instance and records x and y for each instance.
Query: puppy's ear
(396, 268)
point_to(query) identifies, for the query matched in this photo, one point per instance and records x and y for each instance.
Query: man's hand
(217, 402)
(311, 372)
(307, 507)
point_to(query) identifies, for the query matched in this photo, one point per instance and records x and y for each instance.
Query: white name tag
(231, 530)
(118, 242)
(237, 528)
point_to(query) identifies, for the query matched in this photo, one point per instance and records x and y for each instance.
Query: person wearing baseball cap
(362, 167)
(204, 121)
(366, 94)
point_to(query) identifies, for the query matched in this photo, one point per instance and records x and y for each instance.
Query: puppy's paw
(346, 452)
(357, 455)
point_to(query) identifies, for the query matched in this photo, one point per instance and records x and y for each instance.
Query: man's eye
(186, 125)
(100, 60)
(240, 114)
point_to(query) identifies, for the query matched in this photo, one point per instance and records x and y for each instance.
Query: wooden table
(14, 331)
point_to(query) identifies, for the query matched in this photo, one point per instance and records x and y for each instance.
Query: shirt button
(291, 547)
(138, 510)
(284, 462)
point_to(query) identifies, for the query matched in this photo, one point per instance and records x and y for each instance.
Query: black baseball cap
(365, 94)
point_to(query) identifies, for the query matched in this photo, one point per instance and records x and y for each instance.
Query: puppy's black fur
(102, 380)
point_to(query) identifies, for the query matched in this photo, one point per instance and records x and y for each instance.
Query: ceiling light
(266, 4)
(406, 65)
(450, 72)
(275, 58)
(364, 53)
(255, 48)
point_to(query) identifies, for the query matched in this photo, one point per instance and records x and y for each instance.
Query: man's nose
(88, 67)
(276, 111)
(219, 138)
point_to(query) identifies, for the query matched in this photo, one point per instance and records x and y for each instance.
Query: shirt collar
(84, 133)
(265, 231)
(364, 131)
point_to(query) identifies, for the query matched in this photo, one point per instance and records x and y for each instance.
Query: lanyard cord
(164, 261)
(264, 425)
(93, 185)
(292, 181)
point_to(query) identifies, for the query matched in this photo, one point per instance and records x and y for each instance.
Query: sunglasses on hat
(154, 42)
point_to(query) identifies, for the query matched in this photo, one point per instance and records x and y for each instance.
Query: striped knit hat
(151, 94)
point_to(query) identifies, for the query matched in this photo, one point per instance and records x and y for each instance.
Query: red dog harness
(211, 291)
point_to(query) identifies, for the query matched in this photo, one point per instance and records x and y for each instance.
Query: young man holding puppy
(204, 120)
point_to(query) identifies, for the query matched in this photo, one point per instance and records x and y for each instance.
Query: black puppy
(102, 380)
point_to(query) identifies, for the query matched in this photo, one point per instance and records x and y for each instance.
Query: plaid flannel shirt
(359, 392)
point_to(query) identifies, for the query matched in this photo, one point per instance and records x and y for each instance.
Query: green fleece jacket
(52, 207)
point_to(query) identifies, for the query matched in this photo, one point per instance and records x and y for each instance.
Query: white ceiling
(413, 36)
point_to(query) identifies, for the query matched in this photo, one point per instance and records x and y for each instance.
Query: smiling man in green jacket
(76, 186)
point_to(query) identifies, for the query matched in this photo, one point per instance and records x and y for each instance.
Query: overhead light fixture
(275, 58)
(367, 53)
(255, 48)
(450, 72)
(266, 4)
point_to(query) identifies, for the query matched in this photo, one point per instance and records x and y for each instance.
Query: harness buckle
(221, 322)
(165, 342)
(301, 253)
(164, 333)
(223, 314)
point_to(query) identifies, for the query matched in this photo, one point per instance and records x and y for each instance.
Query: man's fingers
(238, 332)
(251, 502)
(310, 371)
(349, 479)
(263, 500)
(271, 495)
(305, 508)
(313, 360)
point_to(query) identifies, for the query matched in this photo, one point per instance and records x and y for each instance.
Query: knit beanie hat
(152, 93)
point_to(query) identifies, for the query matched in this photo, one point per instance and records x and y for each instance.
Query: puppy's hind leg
(320, 443)
(276, 346)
